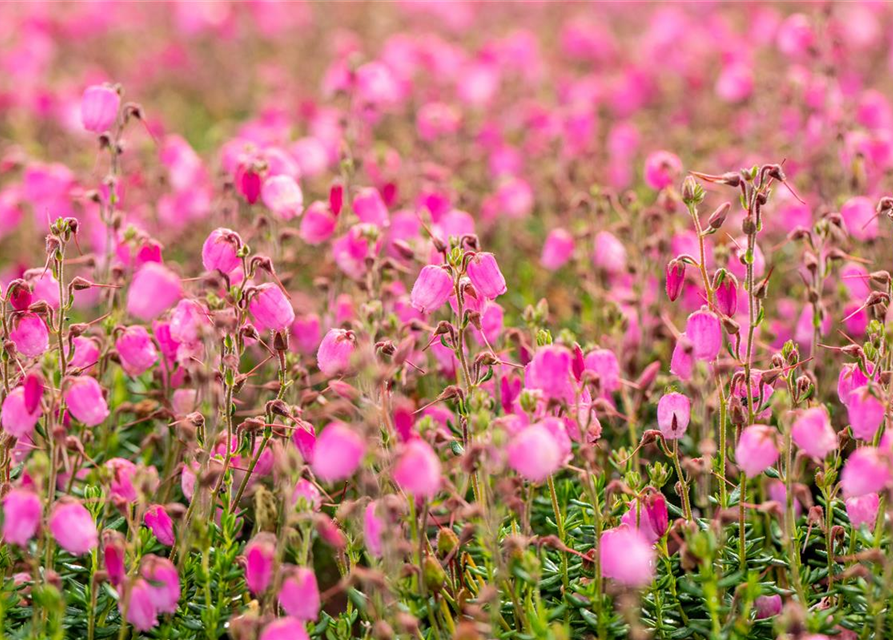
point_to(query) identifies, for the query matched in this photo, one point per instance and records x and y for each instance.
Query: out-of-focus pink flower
(318, 223)
(306, 491)
(662, 169)
(735, 82)
(767, 606)
(626, 557)
(813, 433)
(21, 516)
(866, 413)
(534, 453)
(20, 294)
(338, 452)
(259, 555)
(336, 351)
(682, 361)
(164, 583)
(16, 419)
(219, 252)
(675, 278)
(795, 35)
(865, 471)
(299, 594)
(603, 363)
(648, 516)
(86, 352)
(73, 528)
(136, 350)
(609, 253)
(99, 108)
(285, 629)
(154, 289)
(863, 510)
(860, 218)
(85, 401)
(141, 611)
(558, 249)
(283, 196)
(370, 208)
(271, 309)
(673, 414)
(704, 330)
(431, 289)
(484, 273)
(550, 373)
(161, 524)
(418, 470)
(113, 552)
(756, 450)
(30, 334)
(122, 472)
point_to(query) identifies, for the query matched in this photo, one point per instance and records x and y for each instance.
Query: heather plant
(446, 320)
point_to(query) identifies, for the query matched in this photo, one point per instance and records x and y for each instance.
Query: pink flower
(756, 450)
(338, 452)
(850, 379)
(336, 352)
(865, 471)
(863, 510)
(373, 527)
(431, 289)
(767, 606)
(154, 289)
(21, 516)
(318, 223)
(271, 309)
(16, 419)
(283, 196)
(73, 528)
(860, 218)
(85, 401)
(113, 553)
(122, 472)
(19, 294)
(609, 253)
(86, 352)
(662, 168)
(299, 595)
(558, 249)
(219, 253)
(370, 208)
(285, 629)
(673, 414)
(141, 611)
(306, 491)
(187, 321)
(33, 385)
(813, 433)
(626, 557)
(649, 517)
(484, 273)
(550, 373)
(99, 108)
(160, 523)
(795, 35)
(164, 583)
(682, 361)
(30, 334)
(418, 471)
(259, 555)
(866, 413)
(603, 363)
(675, 278)
(735, 82)
(534, 453)
(727, 294)
(704, 330)
(136, 350)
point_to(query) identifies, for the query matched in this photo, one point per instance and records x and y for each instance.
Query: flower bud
(336, 352)
(675, 278)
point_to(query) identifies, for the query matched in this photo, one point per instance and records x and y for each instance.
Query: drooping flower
(767, 606)
(756, 450)
(164, 583)
(418, 470)
(370, 208)
(726, 293)
(154, 290)
(704, 330)
(673, 414)
(85, 401)
(285, 629)
(675, 278)
(219, 253)
(649, 516)
(626, 557)
(662, 168)
(259, 555)
(373, 526)
(136, 350)
(863, 510)
(283, 196)
(299, 594)
(609, 254)
(160, 523)
(813, 433)
(550, 372)
(557, 250)
(21, 516)
(534, 453)
(271, 309)
(141, 610)
(865, 471)
(99, 108)
(15, 417)
(866, 413)
(484, 273)
(338, 452)
(30, 334)
(72, 527)
(336, 351)
(431, 289)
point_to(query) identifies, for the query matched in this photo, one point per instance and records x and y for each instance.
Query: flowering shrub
(446, 320)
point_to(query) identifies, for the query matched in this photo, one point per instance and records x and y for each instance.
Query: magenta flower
(373, 527)
(866, 413)
(675, 278)
(271, 309)
(418, 470)
(161, 524)
(259, 555)
(813, 433)
(141, 610)
(136, 350)
(122, 472)
(603, 363)
(154, 290)
(626, 557)
(558, 249)
(682, 362)
(299, 595)
(432, 288)
(484, 273)
(283, 196)
(15, 417)
(99, 108)
(850, 379)
(860, 218)
(673, 414)
(318, 223)
(164, 583)
(550, 373)
(704, 330)
(534, 453)
(306, 491)
(219, 253)
(85, 400)
(756, 450)
(113, 552)
(73, 528)
(338, 452)
(649, 517)
(867, 470)
(662, 169)
(370, 208)
(336, 352)
(30, 334)
(22, 510)
(285, 629)
(863, 510)
(727, 295)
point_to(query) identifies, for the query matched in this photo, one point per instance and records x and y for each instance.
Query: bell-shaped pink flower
(704, 330)
(534, 453)
(675, 278)
(86, 353)
(164, 583)
(626, 557)
(85, 401)
(673, 414)
(370, 208)
(122, 472)
(336, 351)
(649, 516)
(154, 290)
(863, 510)
(604, 363)
(609, 254)
(220, 251)
(271, 309)
(136, 350)
(307, 492)
(299, 595)
(304, 437)
(248, 183)
(21, 516)
(318, 223)
(373, 527)
(662, 168)
(850, 379)
(34, 386)
(19, 294)
(867, 470)
(15, 417)
(99, 108)
(260, 552)
(813, 434)
(484, 273)
(767, 606)
(30, 334)
(187, 321)
(866, 413)
(418, 471)
(550, 372)
(283, 196)
(860, 218)
(682, 362)
(141, 610)
(73, 528)
(338, 452)
(161, 524)
(558, 249)
(756, 450)
(431, 289)
(285, 629)
(727, 294)
(113, 554)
